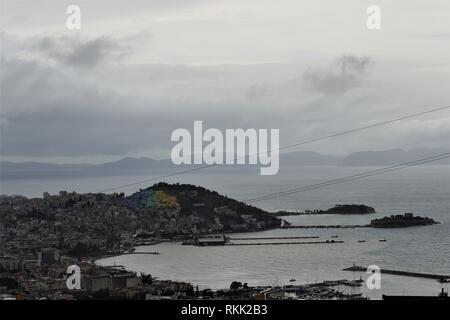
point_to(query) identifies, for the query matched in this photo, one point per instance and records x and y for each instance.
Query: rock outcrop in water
(401, 221)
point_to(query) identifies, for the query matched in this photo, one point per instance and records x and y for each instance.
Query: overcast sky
(137, 70)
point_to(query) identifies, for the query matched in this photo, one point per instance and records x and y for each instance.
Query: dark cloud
(47, 112)
(346, 73)
(136, 72)
(53, 110)
(78, 53)
(44, 112)
(256, 91)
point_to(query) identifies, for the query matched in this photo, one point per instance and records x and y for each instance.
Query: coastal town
(42, 237)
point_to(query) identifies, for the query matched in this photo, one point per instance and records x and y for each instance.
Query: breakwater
(401, 273)
(148, 252)
(284, 243)
(275, 238)
(325, 226)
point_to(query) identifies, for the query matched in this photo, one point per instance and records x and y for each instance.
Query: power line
(350, 178)
(343, 178)
(157, 178)
(363, 128)
(280, 148)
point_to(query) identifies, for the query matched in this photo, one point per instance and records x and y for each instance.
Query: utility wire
(280, 148)
(350, 178)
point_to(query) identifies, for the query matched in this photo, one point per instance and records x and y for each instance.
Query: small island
(337, 209)
(401, 221)
(349, 209)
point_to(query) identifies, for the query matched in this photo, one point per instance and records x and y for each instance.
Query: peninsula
(346, 209)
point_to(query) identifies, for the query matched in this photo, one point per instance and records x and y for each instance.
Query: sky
(137, 70)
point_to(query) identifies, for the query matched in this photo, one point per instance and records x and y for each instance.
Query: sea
(423, 190)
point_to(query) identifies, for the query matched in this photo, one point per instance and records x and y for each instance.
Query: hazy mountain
(41, 166)
(17, 170)
(132, 164)
(394, 156)
(308, 158)
(14, 170)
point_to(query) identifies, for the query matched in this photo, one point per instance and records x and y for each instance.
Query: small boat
(292, 280)
(335, 236)
(382, 240)
(361, 240)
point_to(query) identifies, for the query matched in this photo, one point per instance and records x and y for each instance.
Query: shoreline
(324, 278)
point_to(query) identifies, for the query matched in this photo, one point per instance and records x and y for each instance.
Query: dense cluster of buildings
(41, 237)
(49, 281)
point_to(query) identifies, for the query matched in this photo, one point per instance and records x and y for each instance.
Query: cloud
(49, 112)
(75, 52)
(256, 91)
(58, 109)
(346, 73)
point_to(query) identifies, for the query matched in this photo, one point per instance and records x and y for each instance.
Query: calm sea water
(422, 190)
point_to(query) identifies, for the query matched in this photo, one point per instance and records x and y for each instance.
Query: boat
(292, 280)
(361, 240)
(382, 240)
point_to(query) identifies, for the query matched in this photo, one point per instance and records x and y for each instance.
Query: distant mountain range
(362, 159)
(394, 156)
(13, 170)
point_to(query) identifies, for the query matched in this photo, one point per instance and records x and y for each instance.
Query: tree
(235, 285)
(146, 278)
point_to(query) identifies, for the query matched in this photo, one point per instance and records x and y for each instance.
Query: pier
(402, 273)
(275, 238)
(149, 252)
(284, 243)
(325, 227)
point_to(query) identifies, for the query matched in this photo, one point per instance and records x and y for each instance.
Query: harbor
(227, 241)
